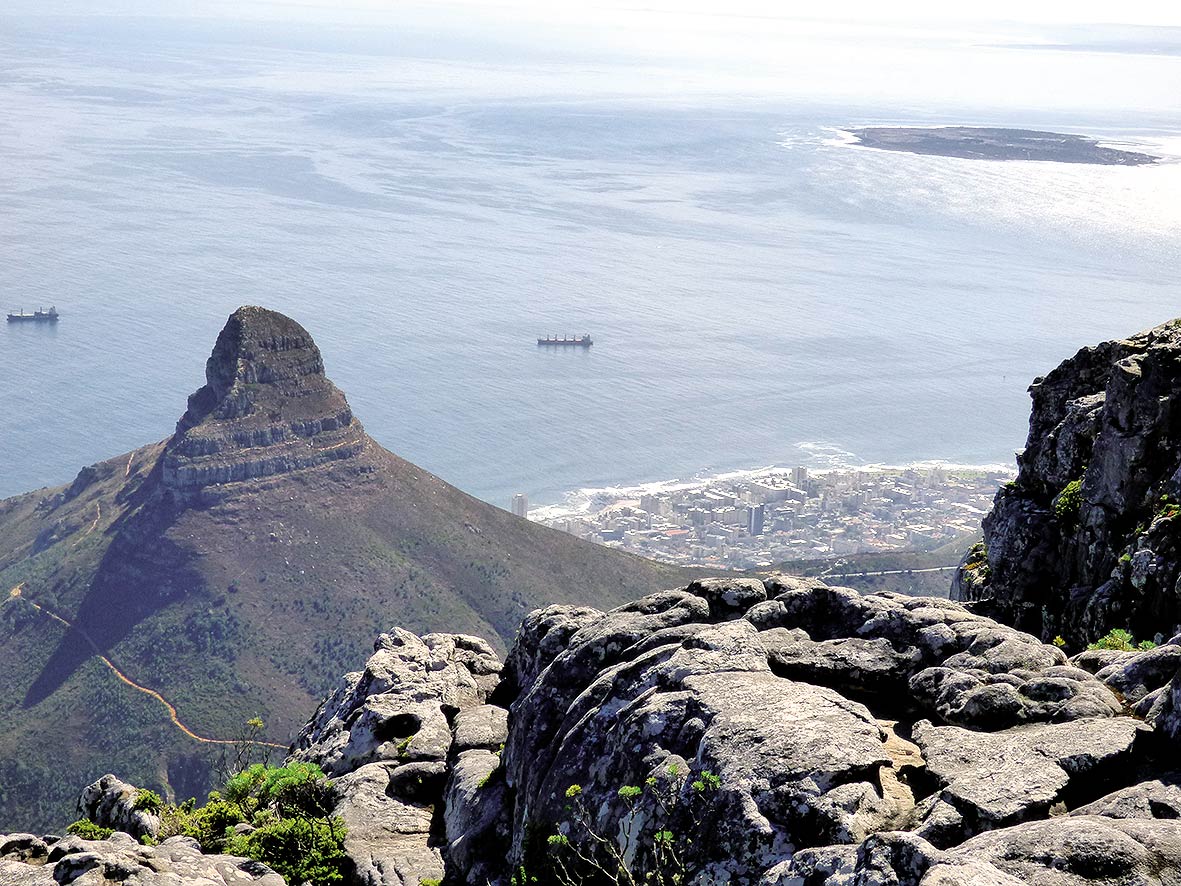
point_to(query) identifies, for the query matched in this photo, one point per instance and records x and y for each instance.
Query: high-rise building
(755, 516)
(799, 476)
(521, 504)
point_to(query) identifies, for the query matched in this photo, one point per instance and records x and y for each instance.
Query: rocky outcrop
(744, 732)
(29, 861)
(755, 715)
(266, 408)
(111, 803)
(992, 780)
(399, 736)
(1086, 539)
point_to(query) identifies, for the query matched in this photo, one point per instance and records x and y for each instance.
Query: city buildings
(767, 517)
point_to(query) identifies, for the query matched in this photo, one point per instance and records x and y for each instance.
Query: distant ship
(38, 316)
(579, 341)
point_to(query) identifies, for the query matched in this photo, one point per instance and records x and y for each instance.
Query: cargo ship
(38, 316)
(576, 341)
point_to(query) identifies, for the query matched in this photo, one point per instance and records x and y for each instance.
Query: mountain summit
(266, 408)
(235, 569)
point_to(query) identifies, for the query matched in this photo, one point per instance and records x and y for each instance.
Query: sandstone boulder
(387, 736)
(111, 803)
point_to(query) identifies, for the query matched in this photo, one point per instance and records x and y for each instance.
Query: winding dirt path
(93, 526)
(17, 593)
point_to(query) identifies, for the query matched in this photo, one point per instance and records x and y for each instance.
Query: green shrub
(88, 830)
(302, 850)
(1117, 639)
(1068, 502)
(289, 808)
(148, 801)
(298, 790)
(1060, 641)
(207, 825)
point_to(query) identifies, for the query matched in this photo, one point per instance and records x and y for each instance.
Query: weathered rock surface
(110, 803)
(923, 657)
(748, 733)
(779, 691)
(122, 859)
(266, 408)
(1080, 564)
(1078, 851)
(996, 779)
(1158, 798)
(1139, 673)
(387, 735)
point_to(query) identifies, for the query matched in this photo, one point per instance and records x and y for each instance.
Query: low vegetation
(280, 816)
(651, 843)
(88, 830)
(1069, 502)
(1121, 641)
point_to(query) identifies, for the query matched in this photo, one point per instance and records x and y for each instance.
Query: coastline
(581, 502)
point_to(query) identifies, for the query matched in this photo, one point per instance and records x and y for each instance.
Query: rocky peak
(1087, 537)
(266, 408)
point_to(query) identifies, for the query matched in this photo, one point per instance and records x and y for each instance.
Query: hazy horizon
(753, 286)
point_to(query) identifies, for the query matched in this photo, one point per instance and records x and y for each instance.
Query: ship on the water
(569, 341)
(38, 316)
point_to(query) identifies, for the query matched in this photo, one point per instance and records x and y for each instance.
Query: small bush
(148, 801)
(207, 825)
(289, 808)
(302, 850)
(1060, 641)
(1117, 639)
(649, 844)
(88, 830)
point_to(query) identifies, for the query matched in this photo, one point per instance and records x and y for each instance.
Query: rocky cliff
(236, 569)
(749, 733)
(1087, 537)
(266, 408)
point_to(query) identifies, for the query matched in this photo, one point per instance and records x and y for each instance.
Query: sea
(427, 195)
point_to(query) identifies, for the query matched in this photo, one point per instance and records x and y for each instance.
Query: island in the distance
(989, 143)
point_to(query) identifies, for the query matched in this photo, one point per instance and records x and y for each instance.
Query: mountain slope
(236, 569)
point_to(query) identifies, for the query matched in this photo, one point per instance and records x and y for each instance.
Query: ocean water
(759, 292)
